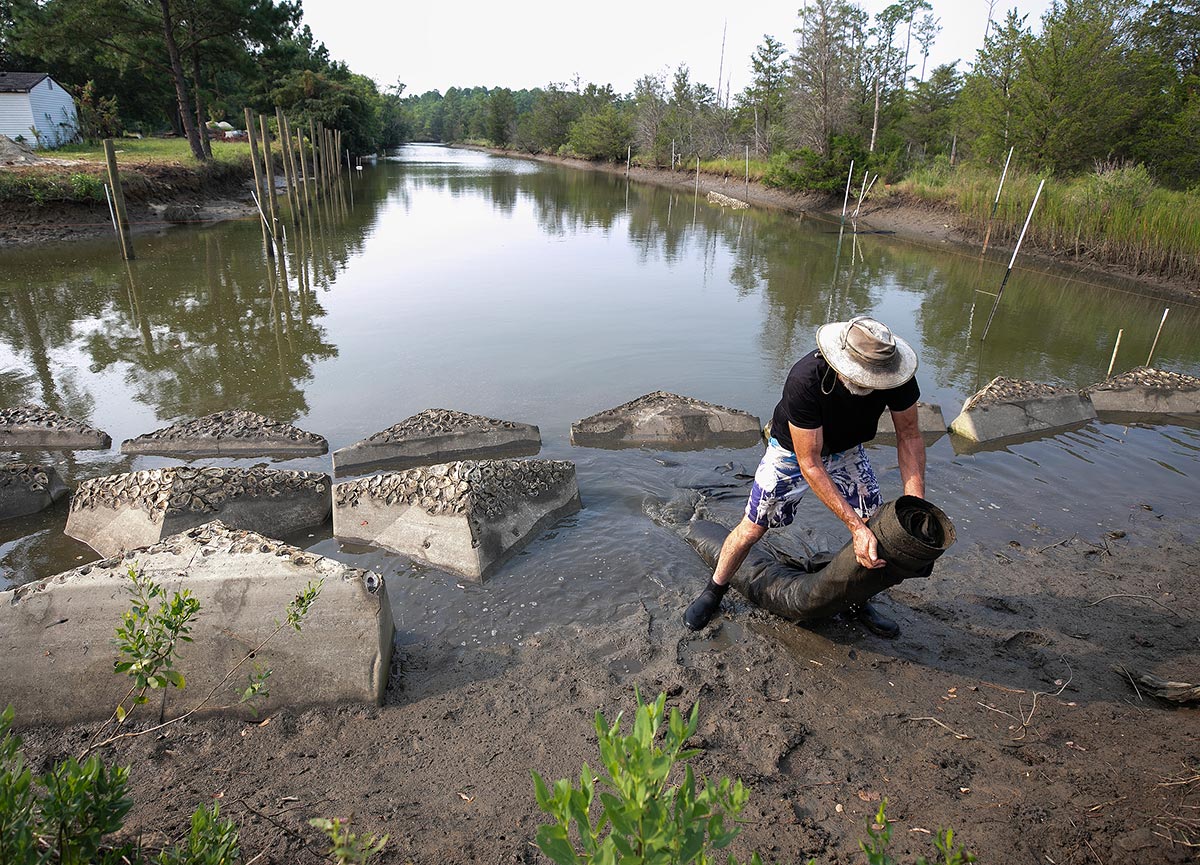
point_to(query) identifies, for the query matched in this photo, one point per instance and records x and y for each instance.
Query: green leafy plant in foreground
(880, 835)
(65, 816)
(642, 818)
(347, 847)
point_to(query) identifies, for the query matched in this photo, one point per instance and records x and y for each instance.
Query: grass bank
(1116, 216)
(159, 169)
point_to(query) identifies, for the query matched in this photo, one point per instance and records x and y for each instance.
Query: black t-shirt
(847, 420)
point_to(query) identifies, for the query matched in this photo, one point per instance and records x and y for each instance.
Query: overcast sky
(464, 43)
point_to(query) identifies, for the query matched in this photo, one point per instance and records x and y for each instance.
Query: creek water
(544, 294)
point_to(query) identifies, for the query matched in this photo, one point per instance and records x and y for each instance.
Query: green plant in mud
(66, 816)
(348, 848)
(642, 817)
(148, 637)
(879, 834)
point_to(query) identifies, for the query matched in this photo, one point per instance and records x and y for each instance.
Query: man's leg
(733, 552)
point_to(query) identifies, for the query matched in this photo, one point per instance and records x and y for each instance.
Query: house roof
(20, 82)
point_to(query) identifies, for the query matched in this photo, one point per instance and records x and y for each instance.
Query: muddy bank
(997, 711)
(214, 193)
(895, 213)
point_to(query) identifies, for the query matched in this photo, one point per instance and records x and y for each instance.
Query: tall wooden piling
(252, 136)
(312, 140)
(114, 182)
(294, 159)
(304, 172)
(269, 176)
(285, 150)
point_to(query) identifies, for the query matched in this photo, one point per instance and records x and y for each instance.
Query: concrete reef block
(1147, 391)
(28, 426)
(1007, 408)
(930, 421)
(468, 517)
(668, 421)
(438, 435)
(58, 632)
(27, 489)
(124, 512)
(228, 433)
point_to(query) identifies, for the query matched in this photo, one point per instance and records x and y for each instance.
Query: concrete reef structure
(59, 631)
(468, 516)
(29, 426)
(438, 435)
(124, 512)
(228, 433)
(1147, 391)
(26, 489)
(1009, 409)
(668, 421)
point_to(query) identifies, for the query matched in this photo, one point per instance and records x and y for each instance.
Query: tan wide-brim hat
(867, 353)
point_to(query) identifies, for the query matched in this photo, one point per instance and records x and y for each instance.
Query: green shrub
(211, 841)
(347, 847)
(87, 186)
(876, 849)
(641, 818)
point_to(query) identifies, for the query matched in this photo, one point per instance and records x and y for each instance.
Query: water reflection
(446, 278)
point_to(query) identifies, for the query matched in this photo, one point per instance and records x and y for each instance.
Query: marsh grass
(1114, 215)
(733, 167)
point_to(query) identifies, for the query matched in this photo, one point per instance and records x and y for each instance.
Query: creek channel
(543, 294)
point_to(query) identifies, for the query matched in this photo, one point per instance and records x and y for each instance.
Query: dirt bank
(913, 219)
(55, 211)
(997, 711)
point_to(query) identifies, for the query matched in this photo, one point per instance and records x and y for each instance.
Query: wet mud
(1001, 710)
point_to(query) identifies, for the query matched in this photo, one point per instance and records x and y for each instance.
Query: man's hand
(866, 548)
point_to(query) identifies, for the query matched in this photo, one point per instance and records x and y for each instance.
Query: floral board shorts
(779, 485)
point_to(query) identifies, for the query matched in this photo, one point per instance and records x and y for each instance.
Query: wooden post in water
(697, 175)
(258, 180)
(1154, 345)
(114, 181)
(312, 140)
(289, 177)
(304, 172)
(331, 156)
(628, 157)
(747, 172)
(301, 194)
(1113, 362)
(269, 176)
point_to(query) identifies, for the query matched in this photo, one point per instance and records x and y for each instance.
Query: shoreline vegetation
(953, 208)
(1116, 222)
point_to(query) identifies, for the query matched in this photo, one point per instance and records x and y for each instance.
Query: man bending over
(832, 401)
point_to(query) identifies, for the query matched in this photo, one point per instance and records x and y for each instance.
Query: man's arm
(808, 444)
(910, 449)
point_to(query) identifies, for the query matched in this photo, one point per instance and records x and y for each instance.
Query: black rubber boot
(701, 610)
(873, 620)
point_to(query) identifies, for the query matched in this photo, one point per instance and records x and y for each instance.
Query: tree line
(146, 65)
(1101, 82)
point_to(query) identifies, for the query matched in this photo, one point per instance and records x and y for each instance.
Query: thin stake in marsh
(996, 202)
(1011, 262)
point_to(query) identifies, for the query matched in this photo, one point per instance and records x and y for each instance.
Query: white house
(32, 101)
